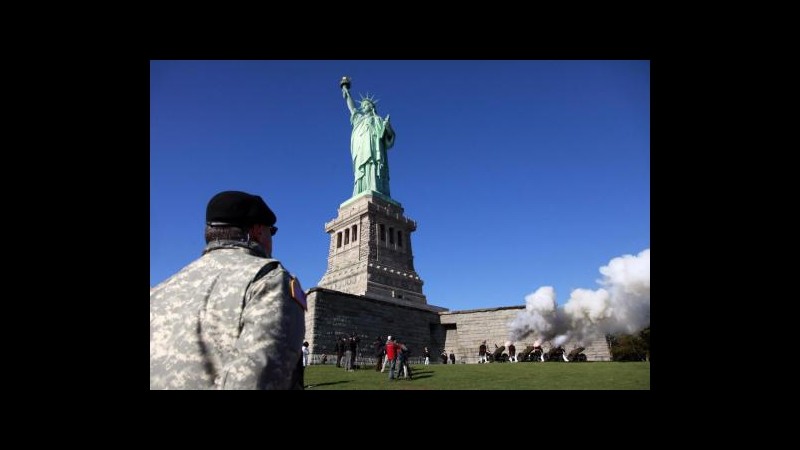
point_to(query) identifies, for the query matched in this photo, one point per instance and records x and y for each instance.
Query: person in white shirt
(305, 354)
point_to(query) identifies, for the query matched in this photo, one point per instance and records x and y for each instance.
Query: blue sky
(520, 174)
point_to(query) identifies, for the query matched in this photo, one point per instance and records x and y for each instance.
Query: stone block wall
(332, 314)
(465, 330)
(471, 327)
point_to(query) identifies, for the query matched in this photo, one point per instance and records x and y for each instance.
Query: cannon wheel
(582, 357)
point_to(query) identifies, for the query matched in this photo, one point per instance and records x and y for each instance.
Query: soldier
(538, 352)
(234, 318)
(482, 353)
(512, 352)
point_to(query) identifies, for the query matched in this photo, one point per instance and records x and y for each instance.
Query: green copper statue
(372, 137)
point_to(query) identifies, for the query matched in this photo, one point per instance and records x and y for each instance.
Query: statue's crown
(369, 98)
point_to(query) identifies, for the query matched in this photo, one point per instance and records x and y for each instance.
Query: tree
(630, 347)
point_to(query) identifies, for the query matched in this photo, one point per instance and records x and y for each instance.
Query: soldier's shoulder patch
(297, 293)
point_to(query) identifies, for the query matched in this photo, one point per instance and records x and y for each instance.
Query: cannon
(531, 353)
(498, 355)
(576, 355)
(525, 355)
(555, 354)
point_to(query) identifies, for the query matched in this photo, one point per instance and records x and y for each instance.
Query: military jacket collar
(252, 248)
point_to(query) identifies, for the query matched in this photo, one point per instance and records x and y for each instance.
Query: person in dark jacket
(377, 344)
(350, 351)
(341, 343)
(402, 363)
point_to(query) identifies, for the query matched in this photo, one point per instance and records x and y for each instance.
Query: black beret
(239, 208)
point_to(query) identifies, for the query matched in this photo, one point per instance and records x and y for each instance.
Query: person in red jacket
(391, 356)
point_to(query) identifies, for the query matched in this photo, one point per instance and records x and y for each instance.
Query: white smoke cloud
(622, 305)
(540, 315)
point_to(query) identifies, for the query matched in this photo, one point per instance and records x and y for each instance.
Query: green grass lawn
(496, 376)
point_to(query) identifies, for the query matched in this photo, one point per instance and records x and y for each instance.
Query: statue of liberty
(372, 137)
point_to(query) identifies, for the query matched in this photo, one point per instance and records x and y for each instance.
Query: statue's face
(367, 106)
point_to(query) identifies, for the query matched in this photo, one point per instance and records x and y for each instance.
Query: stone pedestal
(370, 251)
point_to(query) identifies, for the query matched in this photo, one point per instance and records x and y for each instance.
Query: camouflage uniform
(228, 320)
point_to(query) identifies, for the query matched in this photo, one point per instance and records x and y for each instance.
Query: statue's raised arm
(345, 83)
